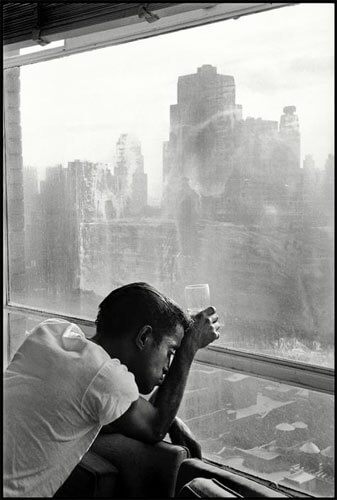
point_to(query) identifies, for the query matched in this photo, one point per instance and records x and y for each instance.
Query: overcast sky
(77, 106)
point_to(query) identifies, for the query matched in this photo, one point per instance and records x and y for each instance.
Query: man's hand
(181, 434)
(205, 328)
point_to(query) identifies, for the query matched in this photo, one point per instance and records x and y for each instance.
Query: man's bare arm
(150, 421)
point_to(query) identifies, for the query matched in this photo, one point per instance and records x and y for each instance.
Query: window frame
(174, 18)
(281, 488)
(5, 262)
(290, 372)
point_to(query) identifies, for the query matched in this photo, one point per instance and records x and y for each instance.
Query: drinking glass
(197, 297)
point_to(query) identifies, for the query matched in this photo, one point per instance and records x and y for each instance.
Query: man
(61, 388)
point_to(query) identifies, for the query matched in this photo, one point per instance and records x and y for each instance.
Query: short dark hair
(135, 305)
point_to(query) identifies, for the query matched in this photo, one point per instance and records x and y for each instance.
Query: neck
(115, 348)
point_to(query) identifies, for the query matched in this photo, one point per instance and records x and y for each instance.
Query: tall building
(202, 140)
(239, 168)
(33, 224)
(310, 181)
(59, 240)
(290, 136)
(130, 180)
(251, 188)
(81, 189)
(329, 188)
(287, 159)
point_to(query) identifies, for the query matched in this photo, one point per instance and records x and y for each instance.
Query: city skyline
(251, 204)
(70, 130)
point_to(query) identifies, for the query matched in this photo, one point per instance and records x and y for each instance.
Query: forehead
(174, 337)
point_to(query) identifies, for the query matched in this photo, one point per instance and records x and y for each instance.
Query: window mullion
(5, 217)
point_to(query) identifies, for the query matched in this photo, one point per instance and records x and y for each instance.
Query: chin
(146, 389)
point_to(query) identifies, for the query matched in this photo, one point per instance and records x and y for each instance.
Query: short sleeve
(110, 393)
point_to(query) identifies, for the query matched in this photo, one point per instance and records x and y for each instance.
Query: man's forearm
(169, 394)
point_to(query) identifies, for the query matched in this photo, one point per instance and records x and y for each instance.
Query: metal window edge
(258, 479)
(132, 30)
(294, 373)
(5, 260)
(310, 377)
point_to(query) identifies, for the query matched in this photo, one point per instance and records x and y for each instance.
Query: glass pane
(279, 432)
(131, 163)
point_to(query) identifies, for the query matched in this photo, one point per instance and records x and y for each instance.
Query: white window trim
(313, 378)
(173, 18)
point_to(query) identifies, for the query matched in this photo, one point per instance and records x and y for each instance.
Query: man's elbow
(147, 432)
(154, 435)
(158, 436)
(154, 429)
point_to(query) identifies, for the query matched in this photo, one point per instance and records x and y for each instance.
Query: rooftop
(299, 477)
(310, 448)
(260, 452)
(262, 407)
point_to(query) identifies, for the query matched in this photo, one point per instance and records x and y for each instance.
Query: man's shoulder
(111, 392)
(53, 327)
(114, 379)
(60, 339)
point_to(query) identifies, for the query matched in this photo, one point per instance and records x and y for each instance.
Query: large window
(200, 156)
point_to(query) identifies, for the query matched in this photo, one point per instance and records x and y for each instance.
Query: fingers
(209, 311)
(206, 326)
(215, 324)
(210, 316)
(215, 327)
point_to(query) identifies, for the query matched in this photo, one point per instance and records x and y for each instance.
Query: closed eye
(171, 355)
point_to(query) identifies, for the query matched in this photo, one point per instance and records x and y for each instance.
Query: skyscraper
(287, 157)
(201, 144)
(60, 234)
(33, 228)
(130, 181)
(290, 135)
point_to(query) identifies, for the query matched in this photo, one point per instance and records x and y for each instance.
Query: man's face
(156, 360)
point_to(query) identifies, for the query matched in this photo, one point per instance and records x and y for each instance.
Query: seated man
(61, 388)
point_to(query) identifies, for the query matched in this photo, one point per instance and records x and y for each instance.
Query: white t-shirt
(59, 389)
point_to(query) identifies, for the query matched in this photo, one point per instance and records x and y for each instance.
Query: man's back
(59, 390)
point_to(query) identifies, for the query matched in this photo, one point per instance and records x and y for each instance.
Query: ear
(144, 337)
